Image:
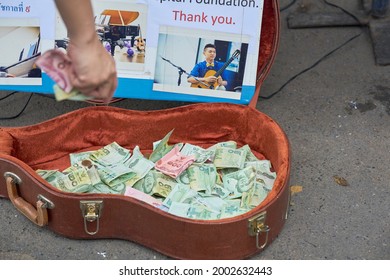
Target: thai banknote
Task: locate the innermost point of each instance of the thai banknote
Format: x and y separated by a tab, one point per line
250	156
76	181
139	165
213	203
264	176
73	95
202	177
253	197
103	188
174	163
155	183
77	157
131	192
239	182
179	209
183	178
232	208
229	158
88	167
111	154
227	144
179	193
200	212
162	148
220	191
49	175
201	155
163	186
115	174
58	66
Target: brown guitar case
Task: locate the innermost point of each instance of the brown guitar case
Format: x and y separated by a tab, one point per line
47	145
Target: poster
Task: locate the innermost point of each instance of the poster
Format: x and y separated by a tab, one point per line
155	43
25	32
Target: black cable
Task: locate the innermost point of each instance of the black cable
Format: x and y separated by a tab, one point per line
345	11
288	5
50	96
311	67
321	59
17	115
8	95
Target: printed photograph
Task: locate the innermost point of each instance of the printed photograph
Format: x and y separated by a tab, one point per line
121	27
22	45
202	65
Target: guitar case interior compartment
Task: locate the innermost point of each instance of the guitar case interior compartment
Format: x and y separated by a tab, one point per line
47	145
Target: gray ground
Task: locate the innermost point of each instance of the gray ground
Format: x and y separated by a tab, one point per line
337	118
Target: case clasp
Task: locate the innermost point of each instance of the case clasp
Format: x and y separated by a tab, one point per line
91	211
257	226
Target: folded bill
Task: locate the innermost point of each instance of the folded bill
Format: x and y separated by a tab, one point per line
58	66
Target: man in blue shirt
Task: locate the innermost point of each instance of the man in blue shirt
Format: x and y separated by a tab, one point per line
205	74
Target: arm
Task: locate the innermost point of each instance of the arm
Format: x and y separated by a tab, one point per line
221	79
94	71
221	82
197	76
194	74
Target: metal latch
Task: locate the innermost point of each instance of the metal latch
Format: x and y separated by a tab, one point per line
256	226
91	211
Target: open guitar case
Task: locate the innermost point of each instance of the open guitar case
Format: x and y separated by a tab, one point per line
96	216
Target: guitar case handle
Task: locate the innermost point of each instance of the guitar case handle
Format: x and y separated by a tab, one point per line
37	215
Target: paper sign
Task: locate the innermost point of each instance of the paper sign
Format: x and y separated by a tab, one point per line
157	44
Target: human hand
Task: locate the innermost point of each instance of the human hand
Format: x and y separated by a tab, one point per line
94	72
210	79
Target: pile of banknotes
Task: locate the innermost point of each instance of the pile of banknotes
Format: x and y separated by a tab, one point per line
186	180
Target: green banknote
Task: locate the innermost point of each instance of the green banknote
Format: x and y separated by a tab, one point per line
76	181
139	165
74	94
115	174
264	176
229	158
111	154
180	193
155	183
162	148
49	175
202	177
78	157
201	155
239	182
253	197
250	156
88	167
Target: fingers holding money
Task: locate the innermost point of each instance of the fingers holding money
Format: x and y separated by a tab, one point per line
104	92
93	77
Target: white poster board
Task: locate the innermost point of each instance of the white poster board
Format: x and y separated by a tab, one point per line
155	43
